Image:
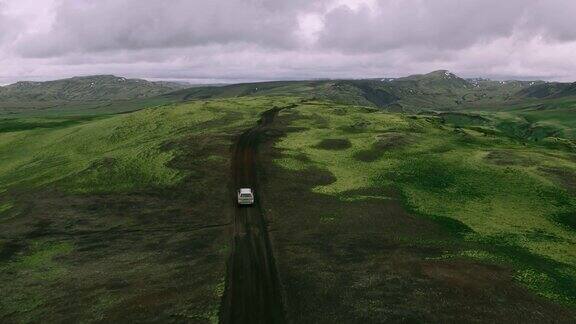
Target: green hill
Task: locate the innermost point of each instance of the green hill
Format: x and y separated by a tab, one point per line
81	89
570	90
98	87
436	91
543	90
549	90
440	80
116	200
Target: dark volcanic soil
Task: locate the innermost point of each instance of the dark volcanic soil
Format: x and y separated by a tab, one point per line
153	256
372	261
253	293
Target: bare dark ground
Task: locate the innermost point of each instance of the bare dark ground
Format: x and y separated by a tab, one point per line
159	255
149	256
371	261
253	292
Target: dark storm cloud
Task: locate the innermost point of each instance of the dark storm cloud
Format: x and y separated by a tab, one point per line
87	26
9	26
286	39
444	24
554	19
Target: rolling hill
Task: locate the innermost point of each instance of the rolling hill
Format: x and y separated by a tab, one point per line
549	90
86	91
436	91
116	201
98	87
441	80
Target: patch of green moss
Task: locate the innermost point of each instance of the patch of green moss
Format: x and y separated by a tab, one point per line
104	301
443	173
5	206
40	261
122	152
328	218
37	266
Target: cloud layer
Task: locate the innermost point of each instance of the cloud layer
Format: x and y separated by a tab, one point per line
241	40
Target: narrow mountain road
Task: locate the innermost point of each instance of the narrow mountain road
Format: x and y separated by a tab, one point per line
253	293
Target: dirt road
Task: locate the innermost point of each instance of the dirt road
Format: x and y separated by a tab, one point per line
253	293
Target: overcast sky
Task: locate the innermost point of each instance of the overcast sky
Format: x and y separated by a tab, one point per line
244	40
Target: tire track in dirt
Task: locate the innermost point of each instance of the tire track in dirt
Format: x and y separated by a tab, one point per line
253	293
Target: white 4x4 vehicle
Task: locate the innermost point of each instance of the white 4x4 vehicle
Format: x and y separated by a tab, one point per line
245	196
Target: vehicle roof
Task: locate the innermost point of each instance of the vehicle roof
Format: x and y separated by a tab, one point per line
245	190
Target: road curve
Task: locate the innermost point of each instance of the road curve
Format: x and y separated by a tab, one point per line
253	293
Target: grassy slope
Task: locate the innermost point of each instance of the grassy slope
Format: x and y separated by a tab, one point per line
102	215
36	151
93	95
500	192
481	186
80	108
438	90
82	89
553	115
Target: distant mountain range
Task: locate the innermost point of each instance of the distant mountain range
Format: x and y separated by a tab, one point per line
438	90
89	88
550	90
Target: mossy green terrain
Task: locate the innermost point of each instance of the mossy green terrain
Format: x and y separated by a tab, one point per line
120	211
117	153
505	192
118	217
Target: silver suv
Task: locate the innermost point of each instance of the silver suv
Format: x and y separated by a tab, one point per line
245	196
